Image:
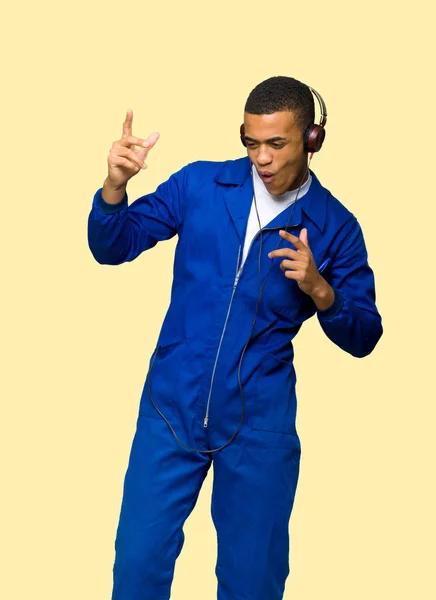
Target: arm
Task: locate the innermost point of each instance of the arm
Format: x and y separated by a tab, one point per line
352	321
118	233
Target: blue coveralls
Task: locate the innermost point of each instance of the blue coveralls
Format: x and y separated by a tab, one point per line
196	372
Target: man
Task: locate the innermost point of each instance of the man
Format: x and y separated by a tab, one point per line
221	385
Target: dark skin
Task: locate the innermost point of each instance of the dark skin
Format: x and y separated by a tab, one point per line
275	144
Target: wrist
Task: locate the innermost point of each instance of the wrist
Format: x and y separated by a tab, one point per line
113	194
114	187
323	295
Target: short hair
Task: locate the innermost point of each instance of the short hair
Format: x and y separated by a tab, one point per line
281	93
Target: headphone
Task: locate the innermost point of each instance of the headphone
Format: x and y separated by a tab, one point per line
314	135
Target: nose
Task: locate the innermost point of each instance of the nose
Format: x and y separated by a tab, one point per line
264	156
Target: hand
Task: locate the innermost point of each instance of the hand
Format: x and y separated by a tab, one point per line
299	264
124	161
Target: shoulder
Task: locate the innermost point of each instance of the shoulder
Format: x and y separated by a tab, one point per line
339	218
337	207
342	228
223	171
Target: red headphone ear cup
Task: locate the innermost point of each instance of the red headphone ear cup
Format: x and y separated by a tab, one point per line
314	138
242	133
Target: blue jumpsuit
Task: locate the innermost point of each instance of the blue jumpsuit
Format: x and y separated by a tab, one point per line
195	372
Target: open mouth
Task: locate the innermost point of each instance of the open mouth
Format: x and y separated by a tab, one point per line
267	178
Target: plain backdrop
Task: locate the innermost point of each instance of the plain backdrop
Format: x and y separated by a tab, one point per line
77	336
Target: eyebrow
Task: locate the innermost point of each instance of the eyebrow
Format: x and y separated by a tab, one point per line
277	138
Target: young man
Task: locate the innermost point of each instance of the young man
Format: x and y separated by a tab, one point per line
221	385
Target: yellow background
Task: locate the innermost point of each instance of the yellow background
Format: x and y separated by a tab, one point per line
77	336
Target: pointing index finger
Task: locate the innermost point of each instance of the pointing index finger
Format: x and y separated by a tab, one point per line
292	238
132	140
127	125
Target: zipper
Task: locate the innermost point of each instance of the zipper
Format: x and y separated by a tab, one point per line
237	277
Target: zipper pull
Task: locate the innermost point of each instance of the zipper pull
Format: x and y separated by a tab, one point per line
238	274
206	420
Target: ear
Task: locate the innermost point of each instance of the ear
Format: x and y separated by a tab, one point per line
242	133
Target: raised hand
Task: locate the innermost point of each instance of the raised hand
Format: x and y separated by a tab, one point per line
124	161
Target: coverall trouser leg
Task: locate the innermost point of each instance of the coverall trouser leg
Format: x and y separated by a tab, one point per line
161	487
254	485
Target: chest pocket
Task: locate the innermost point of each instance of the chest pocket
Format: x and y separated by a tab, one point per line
283	301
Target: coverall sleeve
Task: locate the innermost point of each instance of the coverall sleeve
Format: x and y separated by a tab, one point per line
118	232
352	322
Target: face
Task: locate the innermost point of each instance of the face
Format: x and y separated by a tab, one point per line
275	146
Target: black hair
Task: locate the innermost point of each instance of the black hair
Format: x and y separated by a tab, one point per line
281	93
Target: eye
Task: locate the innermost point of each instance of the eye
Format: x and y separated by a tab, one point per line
278	146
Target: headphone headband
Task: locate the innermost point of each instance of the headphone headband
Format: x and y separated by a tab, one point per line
322	105
314	135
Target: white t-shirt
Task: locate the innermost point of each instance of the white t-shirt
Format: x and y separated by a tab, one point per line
268	206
